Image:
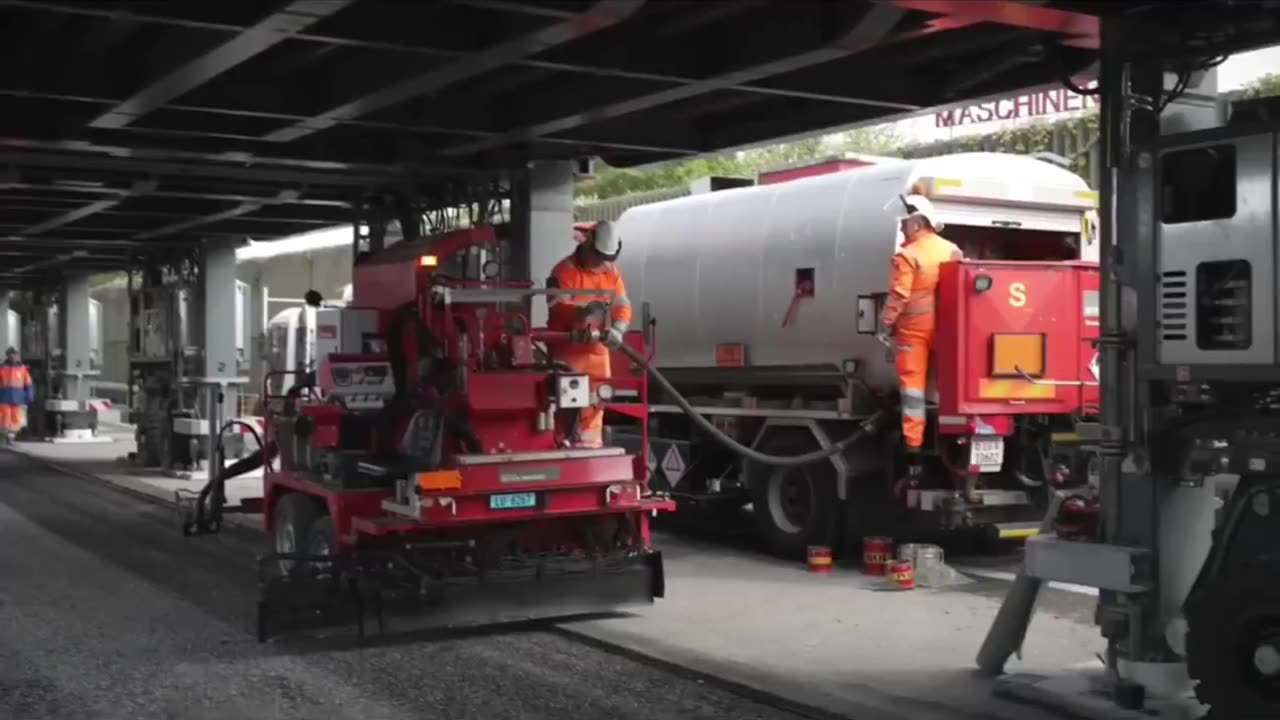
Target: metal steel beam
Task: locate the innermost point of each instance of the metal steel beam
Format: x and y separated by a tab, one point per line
212	195
386	126
62	243
285	196
873	27
1078	29
600	15
514	6
167	153
159	168
93	208
272	30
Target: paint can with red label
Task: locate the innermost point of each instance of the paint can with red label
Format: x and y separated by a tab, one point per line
820	559
876	553
902	575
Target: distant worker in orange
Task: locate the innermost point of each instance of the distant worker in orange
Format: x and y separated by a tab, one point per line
590	267
16	394
907	322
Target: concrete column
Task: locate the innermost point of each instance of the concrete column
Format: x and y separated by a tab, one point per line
10	324
550	223
256	318
75	332
218	272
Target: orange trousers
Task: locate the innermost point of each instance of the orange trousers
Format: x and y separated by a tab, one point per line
595	365
912	360
12	418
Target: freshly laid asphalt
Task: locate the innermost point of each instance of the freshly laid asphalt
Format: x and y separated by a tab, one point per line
107	612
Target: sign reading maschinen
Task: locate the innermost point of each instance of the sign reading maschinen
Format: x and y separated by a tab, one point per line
1059	101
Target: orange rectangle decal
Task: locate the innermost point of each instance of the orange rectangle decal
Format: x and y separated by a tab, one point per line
989	389
731	355
1013	354
440	480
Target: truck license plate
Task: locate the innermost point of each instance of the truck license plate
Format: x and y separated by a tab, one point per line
513	501
986	454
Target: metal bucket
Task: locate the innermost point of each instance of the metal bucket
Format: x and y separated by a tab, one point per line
922	557
876	553
901	575
819	559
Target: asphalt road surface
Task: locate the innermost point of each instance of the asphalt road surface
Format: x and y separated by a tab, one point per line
106	612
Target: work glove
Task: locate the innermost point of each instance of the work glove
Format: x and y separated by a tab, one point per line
612	338
595	309
890	347
885	339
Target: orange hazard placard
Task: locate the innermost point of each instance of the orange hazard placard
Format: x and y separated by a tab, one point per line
731	355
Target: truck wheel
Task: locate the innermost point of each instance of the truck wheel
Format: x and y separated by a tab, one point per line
794	507
295	514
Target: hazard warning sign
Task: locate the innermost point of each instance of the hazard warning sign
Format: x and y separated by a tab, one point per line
1095	368
673	465
651	460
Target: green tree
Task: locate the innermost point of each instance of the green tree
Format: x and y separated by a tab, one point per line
1266	86
614	182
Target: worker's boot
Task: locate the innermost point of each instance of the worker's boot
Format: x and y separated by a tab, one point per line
913	476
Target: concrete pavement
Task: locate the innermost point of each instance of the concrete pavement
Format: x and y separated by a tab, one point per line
106	613
735	617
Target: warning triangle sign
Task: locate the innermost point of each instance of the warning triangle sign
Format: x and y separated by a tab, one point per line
673	465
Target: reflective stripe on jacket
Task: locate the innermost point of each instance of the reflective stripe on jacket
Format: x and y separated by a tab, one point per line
914	282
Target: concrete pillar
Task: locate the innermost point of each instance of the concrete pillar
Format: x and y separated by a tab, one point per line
550	223
218	271
10	324
74	319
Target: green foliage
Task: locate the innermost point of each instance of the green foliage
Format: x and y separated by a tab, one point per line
1073	139
1266	86
615	182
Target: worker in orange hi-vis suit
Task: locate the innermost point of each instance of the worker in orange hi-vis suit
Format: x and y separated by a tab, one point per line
590	267
16	393
907	321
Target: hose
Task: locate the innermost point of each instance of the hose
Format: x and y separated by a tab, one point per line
866	426
218	477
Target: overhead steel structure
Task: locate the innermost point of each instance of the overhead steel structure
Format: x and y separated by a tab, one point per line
139	128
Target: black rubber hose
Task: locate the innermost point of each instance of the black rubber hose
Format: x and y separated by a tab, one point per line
866	426
218	477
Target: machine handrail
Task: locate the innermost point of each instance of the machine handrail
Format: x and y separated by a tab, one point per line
476	295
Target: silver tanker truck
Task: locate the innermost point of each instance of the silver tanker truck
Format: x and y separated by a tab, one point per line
765	300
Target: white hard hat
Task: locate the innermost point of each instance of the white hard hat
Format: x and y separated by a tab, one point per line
606	240
915	205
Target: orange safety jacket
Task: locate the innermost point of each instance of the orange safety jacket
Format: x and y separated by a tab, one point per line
563	312
910	306
15	384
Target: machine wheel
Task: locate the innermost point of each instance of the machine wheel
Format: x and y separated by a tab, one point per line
322	540
295	514
794	507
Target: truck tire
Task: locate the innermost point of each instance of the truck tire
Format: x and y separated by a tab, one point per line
795	507
295	513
